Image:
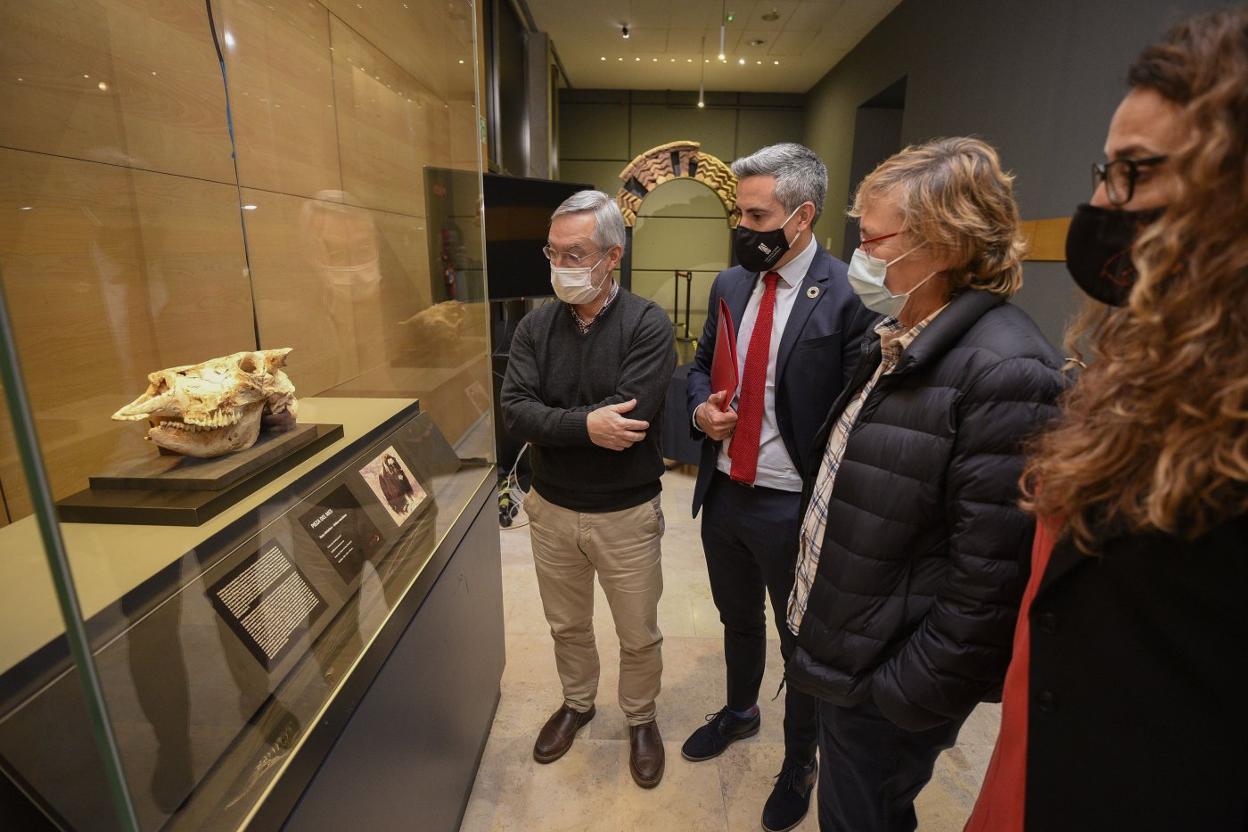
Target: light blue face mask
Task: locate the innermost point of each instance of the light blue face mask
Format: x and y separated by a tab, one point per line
866	276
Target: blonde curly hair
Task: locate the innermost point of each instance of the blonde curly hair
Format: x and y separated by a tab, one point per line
954	196
1154	435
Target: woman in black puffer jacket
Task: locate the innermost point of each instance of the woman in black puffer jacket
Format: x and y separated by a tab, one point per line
913	550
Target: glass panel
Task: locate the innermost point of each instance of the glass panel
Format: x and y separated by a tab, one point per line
186	182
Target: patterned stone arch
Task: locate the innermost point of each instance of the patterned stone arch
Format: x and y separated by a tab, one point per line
674	160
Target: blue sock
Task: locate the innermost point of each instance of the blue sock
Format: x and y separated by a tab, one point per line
748	713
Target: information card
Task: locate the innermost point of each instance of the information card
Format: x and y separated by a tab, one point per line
342	531
267	602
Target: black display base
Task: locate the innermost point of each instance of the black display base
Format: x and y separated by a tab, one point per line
181	507
183	473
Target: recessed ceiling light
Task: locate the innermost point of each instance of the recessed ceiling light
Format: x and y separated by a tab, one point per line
757	42
687	60
636	59
603	58
777	63
741	61
771	16
760	63
619	59
654	60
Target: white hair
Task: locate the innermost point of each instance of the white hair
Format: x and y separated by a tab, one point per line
608	221
800	174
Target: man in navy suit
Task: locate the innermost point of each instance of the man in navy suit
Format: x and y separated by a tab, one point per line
798	326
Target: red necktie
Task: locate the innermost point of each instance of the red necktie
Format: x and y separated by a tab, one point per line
743	450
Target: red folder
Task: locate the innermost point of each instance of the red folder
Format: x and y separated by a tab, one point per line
724	374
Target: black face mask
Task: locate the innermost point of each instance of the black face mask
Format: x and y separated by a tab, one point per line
758	251
1098	250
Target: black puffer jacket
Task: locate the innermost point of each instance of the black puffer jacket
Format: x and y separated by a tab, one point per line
926	553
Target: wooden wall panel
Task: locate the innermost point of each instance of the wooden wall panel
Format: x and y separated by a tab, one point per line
389	126
110	274
282	94
431	40
335	282
127	82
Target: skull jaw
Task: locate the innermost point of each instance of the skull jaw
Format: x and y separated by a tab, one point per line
209	443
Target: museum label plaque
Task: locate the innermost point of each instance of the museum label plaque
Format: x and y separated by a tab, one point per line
267	602
342	531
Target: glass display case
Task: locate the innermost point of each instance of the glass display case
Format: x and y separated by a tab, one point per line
253	339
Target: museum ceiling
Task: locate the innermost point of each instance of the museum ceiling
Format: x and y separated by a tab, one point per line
769	45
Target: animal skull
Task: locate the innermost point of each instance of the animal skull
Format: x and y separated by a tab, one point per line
217	407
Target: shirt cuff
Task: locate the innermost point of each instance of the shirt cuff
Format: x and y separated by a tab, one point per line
694	419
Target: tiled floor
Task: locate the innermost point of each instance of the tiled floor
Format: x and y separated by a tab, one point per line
590	789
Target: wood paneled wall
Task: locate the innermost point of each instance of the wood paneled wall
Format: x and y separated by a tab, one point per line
161	209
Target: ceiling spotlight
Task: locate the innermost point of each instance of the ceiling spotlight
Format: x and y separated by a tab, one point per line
624	31
603	58
757	42
771	16
723	15
741	61
777	63
654	60
702	79
636	59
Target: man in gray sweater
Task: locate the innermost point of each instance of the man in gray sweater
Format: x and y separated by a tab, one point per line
586	379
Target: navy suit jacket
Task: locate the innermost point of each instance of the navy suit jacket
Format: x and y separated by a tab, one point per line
816	358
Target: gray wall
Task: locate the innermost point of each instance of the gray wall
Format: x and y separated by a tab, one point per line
1039	80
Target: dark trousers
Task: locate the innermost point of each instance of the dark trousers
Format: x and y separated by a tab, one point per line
749	536
870	770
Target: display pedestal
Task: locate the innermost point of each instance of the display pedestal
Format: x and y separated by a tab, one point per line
176	491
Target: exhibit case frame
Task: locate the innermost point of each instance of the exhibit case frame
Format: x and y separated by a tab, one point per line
266	593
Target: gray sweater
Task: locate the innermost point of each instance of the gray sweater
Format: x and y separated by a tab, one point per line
556	376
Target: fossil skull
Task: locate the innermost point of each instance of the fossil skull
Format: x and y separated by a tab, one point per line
217	407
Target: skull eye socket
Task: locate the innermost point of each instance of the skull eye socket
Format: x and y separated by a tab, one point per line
248	364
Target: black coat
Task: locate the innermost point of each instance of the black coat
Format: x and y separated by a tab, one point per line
926	553
816	356
1138	689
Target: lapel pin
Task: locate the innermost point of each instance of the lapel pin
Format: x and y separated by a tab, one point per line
812	292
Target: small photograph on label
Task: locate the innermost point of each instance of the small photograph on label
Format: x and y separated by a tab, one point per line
392	481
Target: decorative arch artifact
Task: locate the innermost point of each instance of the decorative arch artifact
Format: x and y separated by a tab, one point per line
675	160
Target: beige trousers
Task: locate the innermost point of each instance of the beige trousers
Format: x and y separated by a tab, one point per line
623	547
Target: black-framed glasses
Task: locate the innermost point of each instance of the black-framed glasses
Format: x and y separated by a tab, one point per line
1121	175
560	258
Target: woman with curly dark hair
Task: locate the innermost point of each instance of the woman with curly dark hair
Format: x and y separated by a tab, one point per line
1124	702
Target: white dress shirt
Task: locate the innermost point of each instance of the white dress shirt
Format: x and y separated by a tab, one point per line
775	468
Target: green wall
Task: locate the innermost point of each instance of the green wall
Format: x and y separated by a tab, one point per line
682	224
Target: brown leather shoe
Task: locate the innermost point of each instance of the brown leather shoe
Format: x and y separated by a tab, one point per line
646	757
556	736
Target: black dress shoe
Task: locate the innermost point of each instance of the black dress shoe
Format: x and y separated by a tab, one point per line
557	734
790	797
720	731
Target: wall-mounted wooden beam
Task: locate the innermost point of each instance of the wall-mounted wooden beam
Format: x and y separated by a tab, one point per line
1046	239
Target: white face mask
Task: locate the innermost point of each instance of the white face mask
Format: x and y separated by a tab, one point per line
866	276
575	286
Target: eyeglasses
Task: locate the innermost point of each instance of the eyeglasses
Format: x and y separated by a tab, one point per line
563	258
873	240
1121	175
